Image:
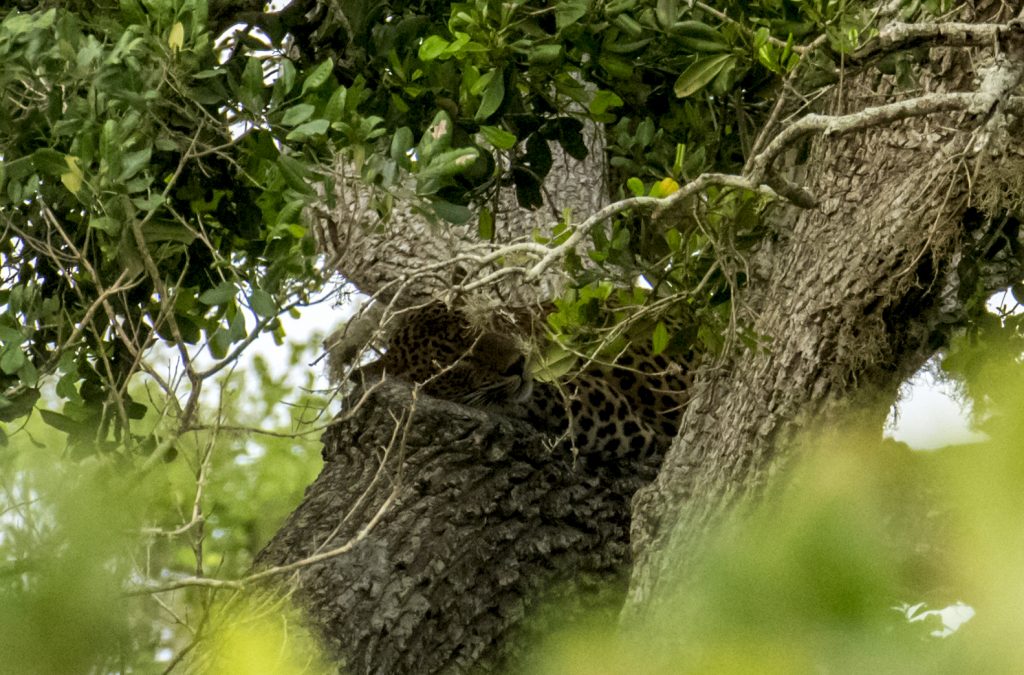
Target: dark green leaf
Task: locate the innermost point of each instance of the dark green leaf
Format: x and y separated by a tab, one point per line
453	213
697	76
493	95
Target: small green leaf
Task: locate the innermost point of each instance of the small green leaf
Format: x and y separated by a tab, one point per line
666	11
219	295
555	362
499	138
432	48
485	227
297	114
308	130
286	76
603	100
636	186
105	224
295	174
262	303
569	12
699	36
318	76
61	422
28	374
336	104
12	359
493	95
133	162
450	163
543	54
659	338
700	73
401	143
453	213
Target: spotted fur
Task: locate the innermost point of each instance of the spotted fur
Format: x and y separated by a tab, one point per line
626	409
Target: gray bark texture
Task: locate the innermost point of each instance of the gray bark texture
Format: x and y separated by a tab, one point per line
487	523
851	298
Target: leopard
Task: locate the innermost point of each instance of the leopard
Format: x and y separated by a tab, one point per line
626	407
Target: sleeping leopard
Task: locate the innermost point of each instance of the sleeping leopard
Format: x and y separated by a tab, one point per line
629	409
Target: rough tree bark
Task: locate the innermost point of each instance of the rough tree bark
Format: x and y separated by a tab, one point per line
475	520
851	296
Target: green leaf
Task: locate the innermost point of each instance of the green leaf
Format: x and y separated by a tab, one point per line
49	161
223	293
659	338
499	138
450	163
262	303
555	362
252	82
295	173
401	143
544	54
436	138
61	422
12	359
28	374
19	406
494	94
568	12
636	186
336	104
318	76
700	73
485	226
286	76
666	11
308	130
603	100
699	36
133	162
297	114
105	224
453	213
432	48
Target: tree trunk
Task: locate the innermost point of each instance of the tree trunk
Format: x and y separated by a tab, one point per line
849	300
474	523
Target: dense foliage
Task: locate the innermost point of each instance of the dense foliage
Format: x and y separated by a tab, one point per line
156	159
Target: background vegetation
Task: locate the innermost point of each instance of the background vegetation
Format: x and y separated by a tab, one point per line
154	168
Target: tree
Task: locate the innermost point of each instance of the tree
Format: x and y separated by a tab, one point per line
823	194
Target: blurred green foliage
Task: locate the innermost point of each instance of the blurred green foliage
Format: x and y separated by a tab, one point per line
81	540
825	573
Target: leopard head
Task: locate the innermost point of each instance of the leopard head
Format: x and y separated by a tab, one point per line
436	347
